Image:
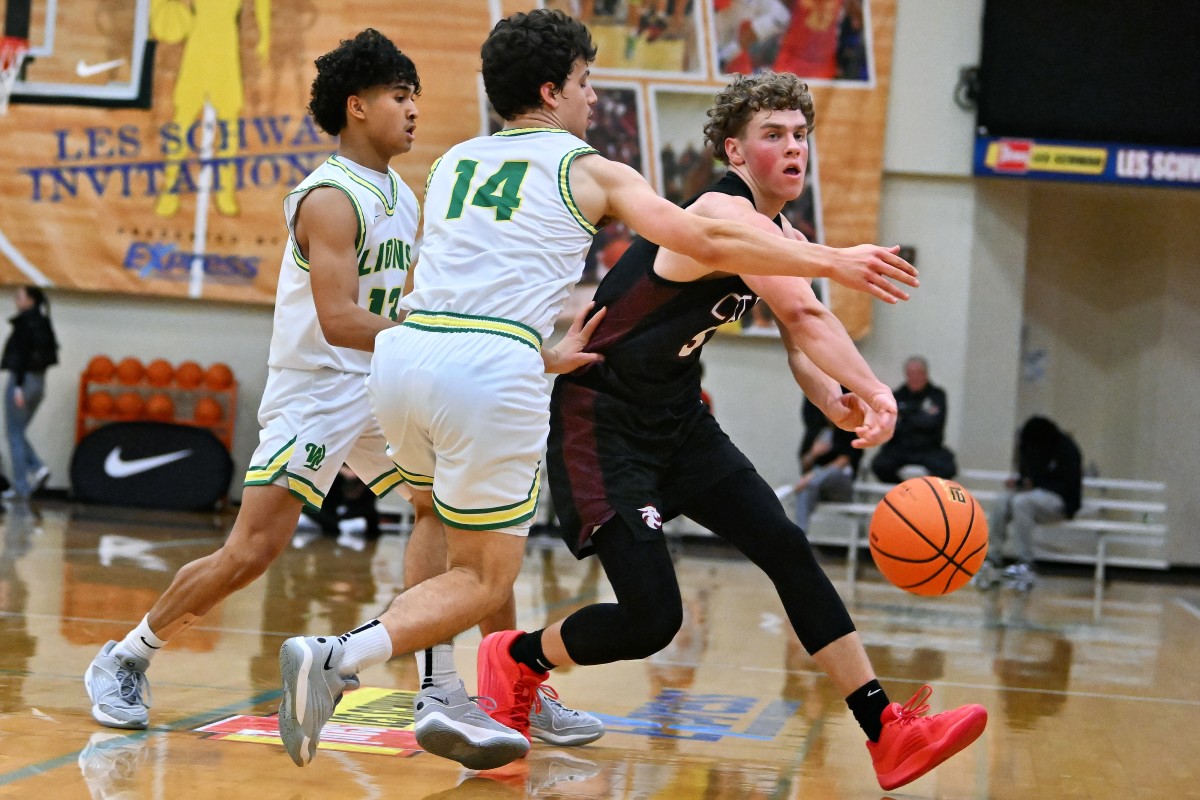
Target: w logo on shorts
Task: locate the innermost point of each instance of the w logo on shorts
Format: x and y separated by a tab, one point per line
316	454
651	517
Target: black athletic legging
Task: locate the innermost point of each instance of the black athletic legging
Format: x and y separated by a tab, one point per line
744	511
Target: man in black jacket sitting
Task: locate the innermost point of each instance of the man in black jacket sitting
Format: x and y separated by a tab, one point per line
920	426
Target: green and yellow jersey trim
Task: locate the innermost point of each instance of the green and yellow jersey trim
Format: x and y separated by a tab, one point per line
414	478
360	236
388	205
564	187
386	482
527	131
486	519
450	322
276	466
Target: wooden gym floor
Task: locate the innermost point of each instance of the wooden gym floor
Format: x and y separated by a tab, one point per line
1079	707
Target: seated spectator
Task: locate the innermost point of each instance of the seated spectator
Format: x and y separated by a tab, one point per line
1048	488
828	464
920	426
349	513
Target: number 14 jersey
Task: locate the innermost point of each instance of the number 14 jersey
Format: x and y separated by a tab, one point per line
503	236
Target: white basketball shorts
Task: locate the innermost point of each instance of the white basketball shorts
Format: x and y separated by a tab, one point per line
465	406
312	422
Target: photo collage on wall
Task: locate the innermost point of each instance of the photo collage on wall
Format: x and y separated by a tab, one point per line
660	65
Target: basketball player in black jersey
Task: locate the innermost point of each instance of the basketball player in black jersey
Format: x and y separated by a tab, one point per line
631	444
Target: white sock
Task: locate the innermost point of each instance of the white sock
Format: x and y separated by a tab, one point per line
365	646
436	667
141	641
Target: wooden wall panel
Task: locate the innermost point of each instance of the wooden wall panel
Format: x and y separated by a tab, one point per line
78	204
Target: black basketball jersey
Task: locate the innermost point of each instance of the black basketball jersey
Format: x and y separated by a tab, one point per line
654	329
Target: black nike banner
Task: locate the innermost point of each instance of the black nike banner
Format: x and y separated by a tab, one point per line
151	465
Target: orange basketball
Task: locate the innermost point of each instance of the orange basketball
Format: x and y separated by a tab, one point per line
188	375
159	372
129	370
100	403
101	369
208	411
219	376
160	406
929	536
130	404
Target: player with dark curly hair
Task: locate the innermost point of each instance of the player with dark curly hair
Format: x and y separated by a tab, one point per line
369	59
352	226
459	387
632	444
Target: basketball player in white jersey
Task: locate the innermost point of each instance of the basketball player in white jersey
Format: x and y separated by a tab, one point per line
459	387
352	225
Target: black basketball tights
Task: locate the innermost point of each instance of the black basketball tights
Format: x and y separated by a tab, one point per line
744	511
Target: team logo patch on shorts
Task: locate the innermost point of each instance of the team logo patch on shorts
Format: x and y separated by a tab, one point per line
651	517
315	455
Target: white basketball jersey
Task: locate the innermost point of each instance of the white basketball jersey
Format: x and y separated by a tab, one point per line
503	237
388	215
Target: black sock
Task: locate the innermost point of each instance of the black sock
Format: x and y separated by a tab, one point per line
527	649
867	704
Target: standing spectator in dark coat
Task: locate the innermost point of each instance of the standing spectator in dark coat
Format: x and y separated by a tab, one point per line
31	348
920	426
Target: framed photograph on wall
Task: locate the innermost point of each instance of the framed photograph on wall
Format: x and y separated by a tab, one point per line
822	41
653	38
685	166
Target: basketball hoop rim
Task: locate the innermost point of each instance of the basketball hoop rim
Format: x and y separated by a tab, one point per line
13	52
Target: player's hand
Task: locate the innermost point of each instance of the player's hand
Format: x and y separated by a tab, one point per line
872	269
568	355
879	420
874	420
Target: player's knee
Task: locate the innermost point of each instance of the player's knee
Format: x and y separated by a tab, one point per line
654	630
248	559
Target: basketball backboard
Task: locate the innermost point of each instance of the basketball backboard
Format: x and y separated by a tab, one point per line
96	52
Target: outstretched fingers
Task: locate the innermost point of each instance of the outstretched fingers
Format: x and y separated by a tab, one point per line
873	269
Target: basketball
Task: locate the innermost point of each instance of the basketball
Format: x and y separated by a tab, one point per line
929	536
100	403
171	21
101	369
188	375
129	371
160	406
208	411
219	376
130	404
159	372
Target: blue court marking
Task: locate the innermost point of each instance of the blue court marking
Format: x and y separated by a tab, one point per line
185	724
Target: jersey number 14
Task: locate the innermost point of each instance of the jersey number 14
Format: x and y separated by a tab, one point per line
502	191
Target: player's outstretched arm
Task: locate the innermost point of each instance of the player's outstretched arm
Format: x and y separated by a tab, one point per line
606	188
326	228
823	358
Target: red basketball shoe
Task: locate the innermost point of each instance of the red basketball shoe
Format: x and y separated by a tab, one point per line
911	744
510	684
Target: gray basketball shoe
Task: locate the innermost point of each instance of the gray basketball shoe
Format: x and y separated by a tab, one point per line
116	682
551	721
312	688
453	726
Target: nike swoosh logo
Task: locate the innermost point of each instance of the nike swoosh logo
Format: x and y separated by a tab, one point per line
86	70
117	467
874	691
